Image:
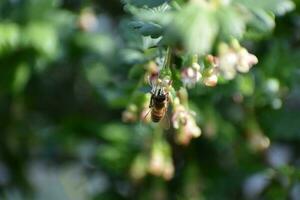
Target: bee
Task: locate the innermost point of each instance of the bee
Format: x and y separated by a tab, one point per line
159	103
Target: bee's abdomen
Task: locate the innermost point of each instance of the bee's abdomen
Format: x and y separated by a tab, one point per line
157	114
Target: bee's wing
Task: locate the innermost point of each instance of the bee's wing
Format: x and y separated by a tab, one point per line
165	121
144	118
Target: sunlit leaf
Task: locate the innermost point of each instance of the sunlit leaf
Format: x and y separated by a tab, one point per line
196	27
21	78
42	37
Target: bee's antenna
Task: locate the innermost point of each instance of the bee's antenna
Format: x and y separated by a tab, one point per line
159	91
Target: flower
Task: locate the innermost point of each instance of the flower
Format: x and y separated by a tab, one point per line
130	114
211	78
184	122
138	168
246	61
161	163
152	73
210	74
234	58
258	141
88	20
191	75
227	63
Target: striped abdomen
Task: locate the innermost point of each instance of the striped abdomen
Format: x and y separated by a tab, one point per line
157	114
159	107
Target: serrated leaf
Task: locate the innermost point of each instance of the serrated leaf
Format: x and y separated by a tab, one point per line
159	15
262	22
232	23
195	26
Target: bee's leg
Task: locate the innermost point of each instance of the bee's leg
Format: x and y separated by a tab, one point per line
151	102
167	97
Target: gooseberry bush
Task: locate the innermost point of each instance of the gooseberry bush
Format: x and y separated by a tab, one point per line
75	88
195	45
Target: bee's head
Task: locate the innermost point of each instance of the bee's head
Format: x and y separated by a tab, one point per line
160	95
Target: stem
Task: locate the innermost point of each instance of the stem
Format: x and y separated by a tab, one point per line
166	69
167	61
195	58
183	96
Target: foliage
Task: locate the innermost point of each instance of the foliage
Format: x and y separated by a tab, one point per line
74	91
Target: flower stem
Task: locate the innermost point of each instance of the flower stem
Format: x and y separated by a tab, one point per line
195	58
166	69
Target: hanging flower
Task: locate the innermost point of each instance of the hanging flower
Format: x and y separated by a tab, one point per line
183	121
138	168
152	73
211	78
233	58
88	20
210	74
191	75
227	62
246	60
130	114
160	160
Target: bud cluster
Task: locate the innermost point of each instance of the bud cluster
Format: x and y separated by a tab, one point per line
158	163
130	114
234	58
184	123
161	163
152	73
88	20
211	72
206	73
191	75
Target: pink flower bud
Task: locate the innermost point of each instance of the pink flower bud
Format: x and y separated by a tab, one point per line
211	80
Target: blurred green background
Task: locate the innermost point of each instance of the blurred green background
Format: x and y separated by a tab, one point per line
64	84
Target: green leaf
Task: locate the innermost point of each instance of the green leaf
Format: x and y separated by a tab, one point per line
246	84
42	37
115	133
262	23
278	7
9	36
232	22
146	3
97	74
195	26
21	78
176	81
136	71
160	15
98	43
147	29
132	56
